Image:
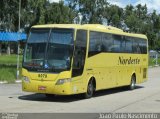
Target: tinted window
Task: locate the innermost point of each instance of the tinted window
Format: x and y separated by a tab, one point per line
117	43
123	44
139	46
128	44
62	36
35	48
79	53
104	42
38	36
95	43
143	46
49	50
135	46
60	49
107	42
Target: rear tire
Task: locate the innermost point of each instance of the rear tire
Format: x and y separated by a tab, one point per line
133	83
90	90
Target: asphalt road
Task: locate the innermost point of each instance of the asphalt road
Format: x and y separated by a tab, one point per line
145	98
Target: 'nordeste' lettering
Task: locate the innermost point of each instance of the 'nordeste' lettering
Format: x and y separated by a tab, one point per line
125	61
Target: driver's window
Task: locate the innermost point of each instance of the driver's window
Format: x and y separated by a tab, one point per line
79	53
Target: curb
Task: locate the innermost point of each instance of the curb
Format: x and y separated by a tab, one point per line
18	81
153	66
6	82
3	82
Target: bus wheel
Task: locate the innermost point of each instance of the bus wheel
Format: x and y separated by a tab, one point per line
50	95
90	90
133	83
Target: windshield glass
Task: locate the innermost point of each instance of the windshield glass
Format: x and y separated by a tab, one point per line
35	48
49	50
60	48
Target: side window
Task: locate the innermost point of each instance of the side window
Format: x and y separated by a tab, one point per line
95	43
79	53
136	46
117	43
143	46
107	42
123	44
128	43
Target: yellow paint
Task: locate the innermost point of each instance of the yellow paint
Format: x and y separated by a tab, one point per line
106	68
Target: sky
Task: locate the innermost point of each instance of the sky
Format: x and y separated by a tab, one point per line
151	4
54	1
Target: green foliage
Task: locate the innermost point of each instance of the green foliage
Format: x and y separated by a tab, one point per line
152	61
7	74
8	67
9	59
6	14
58	13
32	13
137	18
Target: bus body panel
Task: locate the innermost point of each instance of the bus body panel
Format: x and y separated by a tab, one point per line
108	69
109	73
49	83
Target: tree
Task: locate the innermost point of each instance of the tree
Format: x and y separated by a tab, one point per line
137	18
115	15
91	10
9	19
59	13
131	22
128	10
33	12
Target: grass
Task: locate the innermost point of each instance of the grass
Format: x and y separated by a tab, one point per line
8	67
152	61
9	59
8	74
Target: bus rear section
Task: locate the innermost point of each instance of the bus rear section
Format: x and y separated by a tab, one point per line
117	58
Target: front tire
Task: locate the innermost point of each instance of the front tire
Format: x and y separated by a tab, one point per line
90	90
133	83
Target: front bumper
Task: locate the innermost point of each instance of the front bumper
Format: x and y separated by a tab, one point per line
47	87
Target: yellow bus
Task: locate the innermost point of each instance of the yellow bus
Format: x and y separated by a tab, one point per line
66	59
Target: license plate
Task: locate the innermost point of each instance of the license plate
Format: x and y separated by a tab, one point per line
42	88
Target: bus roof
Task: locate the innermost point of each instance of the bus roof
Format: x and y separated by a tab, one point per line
92	27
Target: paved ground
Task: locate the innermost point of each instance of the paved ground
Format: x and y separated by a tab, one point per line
146	98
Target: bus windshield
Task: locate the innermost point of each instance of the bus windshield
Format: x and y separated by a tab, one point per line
49	50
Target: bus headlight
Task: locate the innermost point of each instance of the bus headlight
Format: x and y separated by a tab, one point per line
26	79
62	81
